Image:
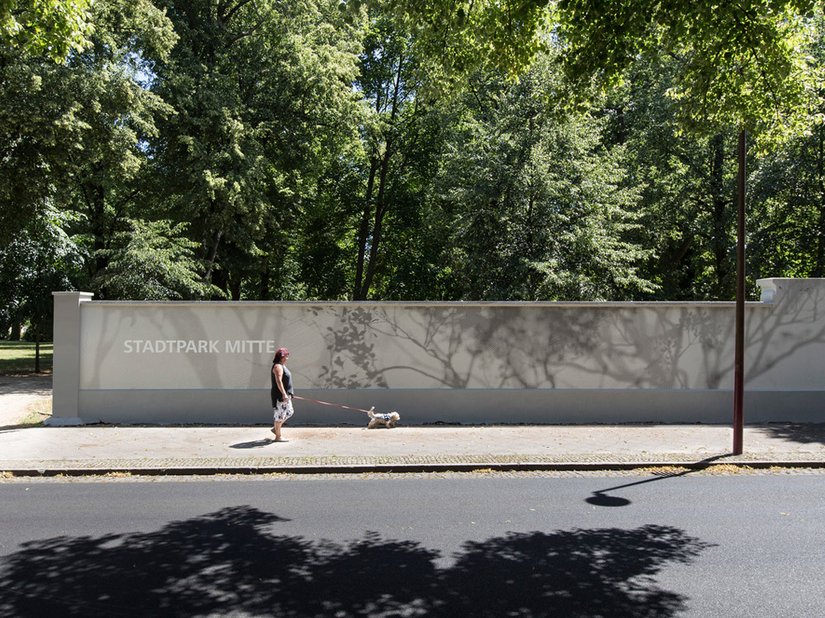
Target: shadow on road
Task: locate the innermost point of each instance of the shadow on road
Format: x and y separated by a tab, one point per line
234	561
601	497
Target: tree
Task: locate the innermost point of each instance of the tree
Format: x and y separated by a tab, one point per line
39	260
543	208
686	203
77	130
401	134
263	99
50	28
740	64
788	194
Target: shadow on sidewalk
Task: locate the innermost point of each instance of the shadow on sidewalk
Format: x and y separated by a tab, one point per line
234	561
804	433
34	384
252	444
5	428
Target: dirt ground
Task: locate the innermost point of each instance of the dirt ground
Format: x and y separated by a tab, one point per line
19	393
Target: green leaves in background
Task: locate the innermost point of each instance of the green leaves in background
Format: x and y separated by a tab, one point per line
404	149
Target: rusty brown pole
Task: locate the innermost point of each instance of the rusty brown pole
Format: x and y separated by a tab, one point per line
739	354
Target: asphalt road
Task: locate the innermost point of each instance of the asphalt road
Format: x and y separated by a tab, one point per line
689	545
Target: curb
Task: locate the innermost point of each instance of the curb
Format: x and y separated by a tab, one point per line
410	468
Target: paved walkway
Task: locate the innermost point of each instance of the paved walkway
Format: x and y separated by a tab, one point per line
199	450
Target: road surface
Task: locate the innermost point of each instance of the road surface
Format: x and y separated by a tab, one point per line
457	545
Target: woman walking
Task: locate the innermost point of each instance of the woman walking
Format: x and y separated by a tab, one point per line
281	392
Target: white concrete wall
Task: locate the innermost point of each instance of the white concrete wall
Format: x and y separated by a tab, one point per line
450	362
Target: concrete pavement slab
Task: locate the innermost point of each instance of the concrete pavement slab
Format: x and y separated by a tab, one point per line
211	449
52	450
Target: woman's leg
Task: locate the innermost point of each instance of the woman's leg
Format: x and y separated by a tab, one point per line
282	414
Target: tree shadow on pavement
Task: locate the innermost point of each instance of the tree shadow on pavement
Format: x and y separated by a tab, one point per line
34	384
232	561
804	433
601	497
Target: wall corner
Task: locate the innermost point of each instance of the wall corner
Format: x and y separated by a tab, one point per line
66	359
768	287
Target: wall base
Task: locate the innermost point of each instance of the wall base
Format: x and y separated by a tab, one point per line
476	406
57	421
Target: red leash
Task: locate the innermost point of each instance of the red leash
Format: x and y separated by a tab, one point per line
334	405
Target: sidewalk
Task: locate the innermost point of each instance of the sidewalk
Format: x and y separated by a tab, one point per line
99	449
212	450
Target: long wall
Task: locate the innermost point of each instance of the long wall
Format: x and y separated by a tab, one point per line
209	362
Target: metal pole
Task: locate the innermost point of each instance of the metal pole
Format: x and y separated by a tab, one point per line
739	360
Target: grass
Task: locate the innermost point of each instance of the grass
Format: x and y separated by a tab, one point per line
36	413
17	357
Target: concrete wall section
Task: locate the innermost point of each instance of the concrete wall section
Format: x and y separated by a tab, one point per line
450	362
370	345
430	406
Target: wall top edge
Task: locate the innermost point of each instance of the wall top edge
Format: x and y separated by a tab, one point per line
800	279
73	293
274	303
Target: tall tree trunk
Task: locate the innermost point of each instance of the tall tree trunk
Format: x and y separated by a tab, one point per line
378	223
819	253
720	206
99	232
358	292
212	255
365	273
235	288
263	284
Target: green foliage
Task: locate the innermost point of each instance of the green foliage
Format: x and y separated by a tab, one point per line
475	33
788	193
263	98
76	130
49	28
151	260
404	149
39	260
401	134
686	186
543	209
740	64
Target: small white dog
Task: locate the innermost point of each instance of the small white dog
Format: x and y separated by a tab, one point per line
388	419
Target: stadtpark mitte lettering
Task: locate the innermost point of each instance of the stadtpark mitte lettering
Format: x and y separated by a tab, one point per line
199	346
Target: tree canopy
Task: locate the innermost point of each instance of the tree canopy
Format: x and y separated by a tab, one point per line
403	149
53	28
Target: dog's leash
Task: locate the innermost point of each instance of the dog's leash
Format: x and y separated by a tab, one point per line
329	403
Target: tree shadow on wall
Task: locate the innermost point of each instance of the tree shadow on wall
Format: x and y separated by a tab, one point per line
233	561
684	346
